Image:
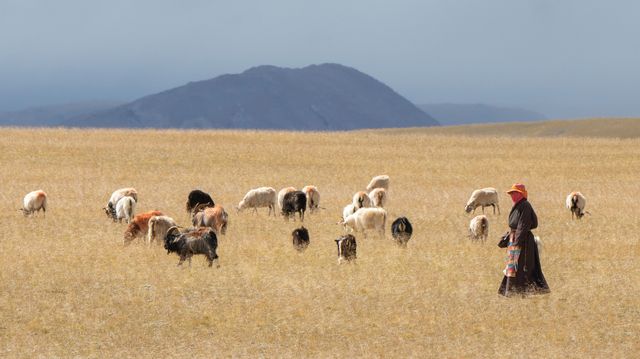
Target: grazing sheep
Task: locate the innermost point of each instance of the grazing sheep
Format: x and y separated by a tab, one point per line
158	227
294	202
575	203
313	197
300	238
33	202
378	197
124	209
366	218
110	209
346	248
361	200
281	195
401	231
484	197
193	241
381	181
197	197
259	197
213	217
348	210
479	228
138	226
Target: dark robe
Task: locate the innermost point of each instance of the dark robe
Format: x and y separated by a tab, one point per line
529	278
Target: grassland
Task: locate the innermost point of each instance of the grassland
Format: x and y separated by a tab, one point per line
69	289
594	127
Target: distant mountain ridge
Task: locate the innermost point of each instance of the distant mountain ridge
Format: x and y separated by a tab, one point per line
54	115
316	97
463	114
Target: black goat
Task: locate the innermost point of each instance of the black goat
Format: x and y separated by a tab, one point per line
193	241
198	197
401	231
294	202
300	237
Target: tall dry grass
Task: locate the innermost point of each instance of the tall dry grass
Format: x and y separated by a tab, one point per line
69	289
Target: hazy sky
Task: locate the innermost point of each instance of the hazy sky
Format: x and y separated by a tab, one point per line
565	58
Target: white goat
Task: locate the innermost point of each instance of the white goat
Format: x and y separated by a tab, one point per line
381	181
484	197
348	210
366	218
575	203
158	228
33	202
378	197
125	209
259	197
479	228
361	200
313	197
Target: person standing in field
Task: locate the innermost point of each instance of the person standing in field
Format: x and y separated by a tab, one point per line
523	274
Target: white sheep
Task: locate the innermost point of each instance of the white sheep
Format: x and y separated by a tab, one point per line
378	197
484	197
381	181
361	200
259	197
575	203
313	197
33	202
479	228
366	218
125	209
348	210
281	195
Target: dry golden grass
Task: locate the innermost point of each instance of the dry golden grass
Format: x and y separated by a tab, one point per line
69	289
595	127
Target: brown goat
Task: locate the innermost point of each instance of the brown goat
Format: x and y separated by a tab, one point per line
139	226
213	217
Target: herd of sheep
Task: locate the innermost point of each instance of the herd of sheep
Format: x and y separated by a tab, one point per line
365	213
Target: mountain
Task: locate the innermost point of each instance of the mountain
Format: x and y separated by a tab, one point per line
53	115
316	97
462	114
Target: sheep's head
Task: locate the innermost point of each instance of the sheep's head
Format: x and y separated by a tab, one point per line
468	208
170	239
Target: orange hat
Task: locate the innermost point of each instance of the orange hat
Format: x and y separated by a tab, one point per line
518	187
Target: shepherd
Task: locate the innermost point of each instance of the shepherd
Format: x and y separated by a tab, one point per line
522	273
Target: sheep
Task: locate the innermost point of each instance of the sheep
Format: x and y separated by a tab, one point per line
300	238
575	203
348	210
313	197
110	209
294	202
479	228
381	181
401	231
138	226
158	227
259	197
378	197
366	218
33	202
347	248
125	209
213	217
361	200
192	241
484	197
282	193
198	197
